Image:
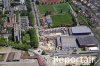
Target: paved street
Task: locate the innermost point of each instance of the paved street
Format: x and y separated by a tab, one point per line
37	21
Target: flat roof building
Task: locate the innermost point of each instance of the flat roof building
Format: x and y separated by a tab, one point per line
10	20
20	8
27	62
17	56
0	5
89	41
81	30
65	42
10	57
48	20
20	1
6	4
24	23
16	32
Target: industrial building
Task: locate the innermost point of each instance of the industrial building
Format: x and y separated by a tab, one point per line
65	42
80	30
88	41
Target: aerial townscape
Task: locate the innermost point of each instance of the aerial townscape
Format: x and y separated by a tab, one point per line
49	32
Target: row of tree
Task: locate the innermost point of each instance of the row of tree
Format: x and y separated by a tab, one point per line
32	31
33	38
4	42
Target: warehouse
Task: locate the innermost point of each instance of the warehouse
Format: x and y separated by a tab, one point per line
80	30
89	41
65	43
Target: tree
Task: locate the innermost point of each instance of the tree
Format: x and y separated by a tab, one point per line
33	38
24	13
3	42
28	4
31	19
37	2
61	11
14	4
43	52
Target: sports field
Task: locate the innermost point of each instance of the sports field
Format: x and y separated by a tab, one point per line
58	18
55	9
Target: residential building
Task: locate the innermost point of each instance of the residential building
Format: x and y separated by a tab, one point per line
1	5
11	19
16	32
4	34
20	8
6	4
24	23
20	1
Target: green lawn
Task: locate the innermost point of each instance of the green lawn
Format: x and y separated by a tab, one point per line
44	8
56	8
59	20
63	6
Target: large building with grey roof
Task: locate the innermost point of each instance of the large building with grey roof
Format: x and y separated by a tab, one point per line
65	42
88	41
80	30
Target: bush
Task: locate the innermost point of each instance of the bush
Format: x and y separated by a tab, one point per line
43	52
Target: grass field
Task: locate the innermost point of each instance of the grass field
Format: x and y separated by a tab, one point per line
63	6
56	8
44	8
58	18
61	20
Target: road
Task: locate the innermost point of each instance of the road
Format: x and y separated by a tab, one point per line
36	19
97	35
